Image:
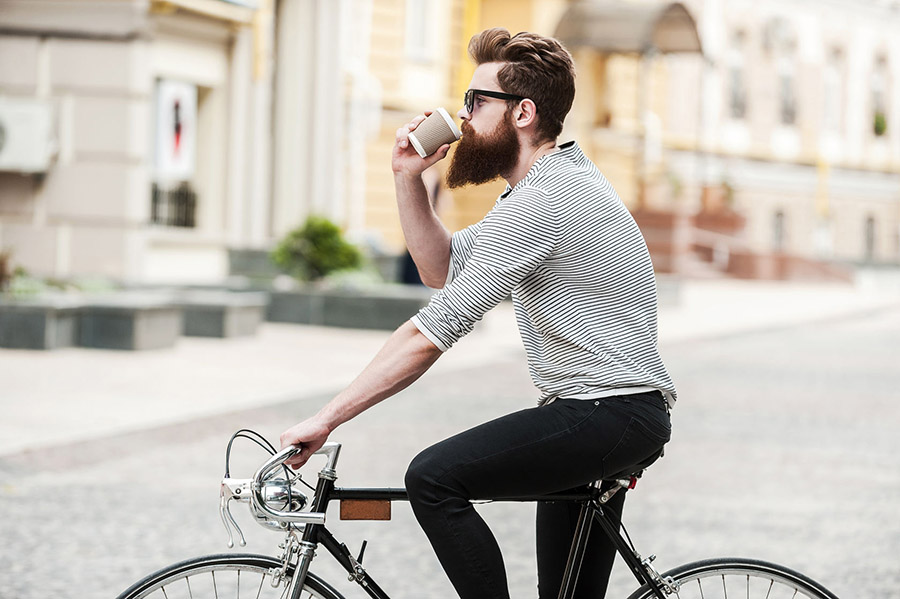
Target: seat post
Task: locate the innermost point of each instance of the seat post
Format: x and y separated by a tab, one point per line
576	553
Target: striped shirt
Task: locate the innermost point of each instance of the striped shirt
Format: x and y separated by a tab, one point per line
566	247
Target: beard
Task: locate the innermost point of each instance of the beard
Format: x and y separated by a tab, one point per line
482	158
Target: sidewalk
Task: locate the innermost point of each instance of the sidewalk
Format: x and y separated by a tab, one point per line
73	394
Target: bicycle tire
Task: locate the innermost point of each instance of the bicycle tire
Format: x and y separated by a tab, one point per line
191	577
738	577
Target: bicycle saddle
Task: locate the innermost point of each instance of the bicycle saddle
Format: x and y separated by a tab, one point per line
634	471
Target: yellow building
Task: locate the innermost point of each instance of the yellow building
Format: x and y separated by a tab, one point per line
424	63
740	133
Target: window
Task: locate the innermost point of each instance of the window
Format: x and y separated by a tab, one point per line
780	42
738	94
787	99
778	231
870	238
173	200
737	91
879	91
833	91
421	31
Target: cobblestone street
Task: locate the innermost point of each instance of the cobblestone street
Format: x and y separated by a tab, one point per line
784	449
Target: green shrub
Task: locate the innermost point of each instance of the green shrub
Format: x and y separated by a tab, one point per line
316	249
6	274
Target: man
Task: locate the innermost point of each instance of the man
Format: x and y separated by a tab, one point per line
560	240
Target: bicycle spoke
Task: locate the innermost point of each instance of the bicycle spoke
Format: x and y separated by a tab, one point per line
262	581
231	577
732	578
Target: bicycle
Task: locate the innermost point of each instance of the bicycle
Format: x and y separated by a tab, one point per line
277	500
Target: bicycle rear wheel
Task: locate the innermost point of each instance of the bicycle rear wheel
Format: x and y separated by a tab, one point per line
223	575
732	578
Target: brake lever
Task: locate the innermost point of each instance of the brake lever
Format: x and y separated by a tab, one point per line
232	489
228	519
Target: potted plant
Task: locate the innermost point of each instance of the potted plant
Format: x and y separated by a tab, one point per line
330	270
316	249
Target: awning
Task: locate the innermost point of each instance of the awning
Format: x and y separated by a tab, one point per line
629	28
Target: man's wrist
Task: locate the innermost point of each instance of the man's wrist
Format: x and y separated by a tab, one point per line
408	176
326	420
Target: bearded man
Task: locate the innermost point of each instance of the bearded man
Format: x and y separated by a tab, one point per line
561	241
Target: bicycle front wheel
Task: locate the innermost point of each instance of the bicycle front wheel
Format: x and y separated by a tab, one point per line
725	578
223	575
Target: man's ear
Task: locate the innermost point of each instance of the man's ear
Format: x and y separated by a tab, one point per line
526	113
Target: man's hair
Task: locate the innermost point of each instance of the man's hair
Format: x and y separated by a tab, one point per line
536	67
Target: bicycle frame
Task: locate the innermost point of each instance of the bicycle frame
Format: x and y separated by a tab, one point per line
315	532
278	501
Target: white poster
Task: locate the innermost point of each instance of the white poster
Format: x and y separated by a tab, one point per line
176	130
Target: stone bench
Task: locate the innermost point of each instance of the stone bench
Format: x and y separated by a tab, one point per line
45	322
383	307
212	313
130	321
124	320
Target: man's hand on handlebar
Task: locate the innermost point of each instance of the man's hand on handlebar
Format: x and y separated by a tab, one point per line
310	435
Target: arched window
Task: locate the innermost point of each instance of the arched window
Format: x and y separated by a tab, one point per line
780	41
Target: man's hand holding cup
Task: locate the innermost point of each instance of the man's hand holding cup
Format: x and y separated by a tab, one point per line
423	142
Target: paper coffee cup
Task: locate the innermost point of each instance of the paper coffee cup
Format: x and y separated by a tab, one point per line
436	130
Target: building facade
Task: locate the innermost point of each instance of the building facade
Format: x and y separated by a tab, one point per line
798	127
749	138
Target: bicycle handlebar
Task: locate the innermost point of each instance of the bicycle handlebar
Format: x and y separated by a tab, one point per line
258	500
260	493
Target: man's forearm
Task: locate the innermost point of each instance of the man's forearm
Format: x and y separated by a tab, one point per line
402	360
427	239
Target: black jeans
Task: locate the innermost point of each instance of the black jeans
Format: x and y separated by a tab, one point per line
560	446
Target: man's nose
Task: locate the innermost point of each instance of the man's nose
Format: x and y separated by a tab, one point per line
463	114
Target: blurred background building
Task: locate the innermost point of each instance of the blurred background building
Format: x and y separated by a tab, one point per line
155	140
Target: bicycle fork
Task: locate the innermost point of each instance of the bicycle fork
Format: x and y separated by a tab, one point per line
306	552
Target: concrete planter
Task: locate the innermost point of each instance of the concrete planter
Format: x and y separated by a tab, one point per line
130	321
116	321
39	323
222	313
381	307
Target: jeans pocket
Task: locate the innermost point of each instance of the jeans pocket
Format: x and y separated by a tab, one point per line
640	441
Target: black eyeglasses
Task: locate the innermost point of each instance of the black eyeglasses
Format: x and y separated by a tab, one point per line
469	99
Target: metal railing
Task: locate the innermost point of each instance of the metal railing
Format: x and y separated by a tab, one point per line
174	206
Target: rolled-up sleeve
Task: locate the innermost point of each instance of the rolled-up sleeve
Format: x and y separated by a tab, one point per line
513	240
